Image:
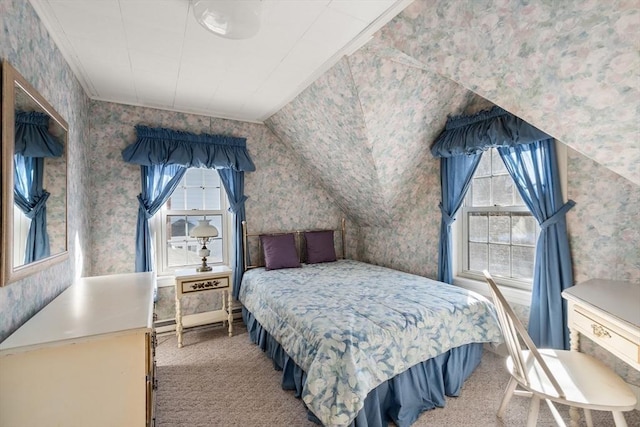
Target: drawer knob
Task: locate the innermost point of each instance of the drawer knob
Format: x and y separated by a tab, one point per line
600	331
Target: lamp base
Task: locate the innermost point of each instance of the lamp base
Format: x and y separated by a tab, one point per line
203	268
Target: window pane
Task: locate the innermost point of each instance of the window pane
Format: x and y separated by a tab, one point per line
499	228
212	199
176	227
194	198
502	187
477	227
192	254
484	167
215	246
497	164
211	178
176	201
524	229
193	177
477	256
481	195
518	199
499	260
176	250
523	258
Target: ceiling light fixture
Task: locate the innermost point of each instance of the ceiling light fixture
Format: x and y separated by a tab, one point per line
231	19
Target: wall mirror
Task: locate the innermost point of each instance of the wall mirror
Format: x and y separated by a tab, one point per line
34	180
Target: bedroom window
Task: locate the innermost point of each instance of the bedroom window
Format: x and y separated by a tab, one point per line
498	231
199	195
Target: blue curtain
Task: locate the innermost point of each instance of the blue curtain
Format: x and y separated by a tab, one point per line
534	168
33	143
156	147
233	182
33	138
158	182
31	198
455	176
475	133
530	157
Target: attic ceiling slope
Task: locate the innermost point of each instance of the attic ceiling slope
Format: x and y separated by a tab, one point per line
325	127
404	109
569	68
364	129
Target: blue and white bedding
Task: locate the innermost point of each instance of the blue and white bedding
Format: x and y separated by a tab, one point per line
351	326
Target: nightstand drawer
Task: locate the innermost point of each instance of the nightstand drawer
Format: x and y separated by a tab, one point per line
607	335
204	285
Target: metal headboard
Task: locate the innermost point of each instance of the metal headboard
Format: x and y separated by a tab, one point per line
298	234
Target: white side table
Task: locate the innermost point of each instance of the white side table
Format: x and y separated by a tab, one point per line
189	281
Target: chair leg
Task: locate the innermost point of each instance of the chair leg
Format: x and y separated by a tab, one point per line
556	415
534	407
508	394
618	418
587	417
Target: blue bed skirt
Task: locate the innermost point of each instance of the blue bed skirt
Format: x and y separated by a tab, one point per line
402	398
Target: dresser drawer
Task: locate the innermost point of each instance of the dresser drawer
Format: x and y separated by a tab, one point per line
204	285
606	335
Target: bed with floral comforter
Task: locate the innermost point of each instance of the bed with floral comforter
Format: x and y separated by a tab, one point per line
351	326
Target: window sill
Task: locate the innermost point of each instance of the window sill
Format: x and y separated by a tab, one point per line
512	295
166	281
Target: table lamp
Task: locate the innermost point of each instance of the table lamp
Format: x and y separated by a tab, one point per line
203	232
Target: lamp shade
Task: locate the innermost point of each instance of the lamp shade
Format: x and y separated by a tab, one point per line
232	19
203	229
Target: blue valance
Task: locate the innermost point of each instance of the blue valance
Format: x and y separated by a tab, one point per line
33	138
158	146
478	132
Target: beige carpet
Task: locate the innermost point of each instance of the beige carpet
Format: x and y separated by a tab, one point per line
217	381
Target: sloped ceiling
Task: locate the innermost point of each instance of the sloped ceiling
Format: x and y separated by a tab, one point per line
365	126
570	68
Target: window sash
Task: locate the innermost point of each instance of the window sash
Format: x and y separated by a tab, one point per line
161	235
491	172
465	271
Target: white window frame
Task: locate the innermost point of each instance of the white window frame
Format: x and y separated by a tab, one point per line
464	252
515	295
159	233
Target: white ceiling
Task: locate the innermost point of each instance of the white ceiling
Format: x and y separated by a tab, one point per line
153	52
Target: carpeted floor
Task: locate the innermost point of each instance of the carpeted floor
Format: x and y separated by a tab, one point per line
217	381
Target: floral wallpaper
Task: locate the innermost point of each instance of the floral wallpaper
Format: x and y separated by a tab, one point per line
282	195
401	105
355	143
569	68
25	43
603	226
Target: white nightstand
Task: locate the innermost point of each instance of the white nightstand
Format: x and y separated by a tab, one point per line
189	281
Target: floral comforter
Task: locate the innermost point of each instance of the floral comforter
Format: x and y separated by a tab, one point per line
351	326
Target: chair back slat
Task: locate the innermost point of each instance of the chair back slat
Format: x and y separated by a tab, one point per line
514	333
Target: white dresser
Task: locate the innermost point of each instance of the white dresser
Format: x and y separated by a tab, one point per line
85	359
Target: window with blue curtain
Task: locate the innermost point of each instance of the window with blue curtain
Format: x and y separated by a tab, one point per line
163	156
529	155
33	143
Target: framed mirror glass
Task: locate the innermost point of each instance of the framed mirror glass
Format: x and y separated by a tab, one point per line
34	180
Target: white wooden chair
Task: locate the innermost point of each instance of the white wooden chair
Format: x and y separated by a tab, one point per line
566	377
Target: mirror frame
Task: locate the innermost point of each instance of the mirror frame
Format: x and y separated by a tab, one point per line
11	80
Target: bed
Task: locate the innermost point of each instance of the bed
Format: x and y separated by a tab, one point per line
361	344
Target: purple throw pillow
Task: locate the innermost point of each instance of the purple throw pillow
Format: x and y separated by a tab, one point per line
320	246
279	251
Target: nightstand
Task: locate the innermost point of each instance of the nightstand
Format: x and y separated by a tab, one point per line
189	282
